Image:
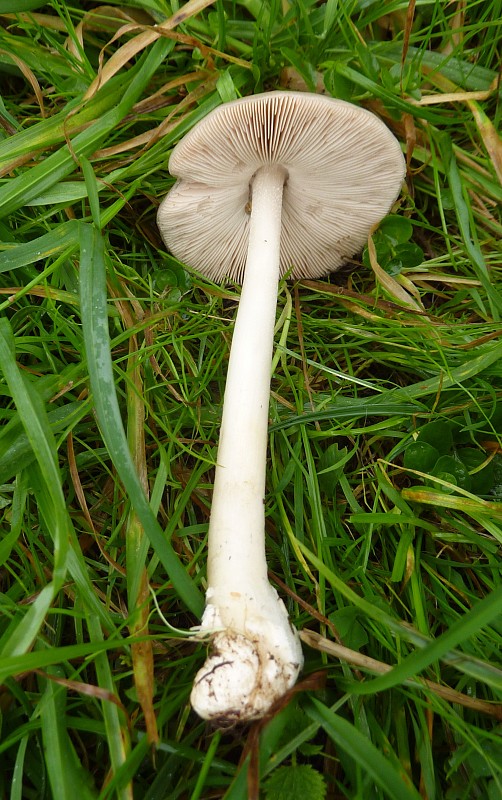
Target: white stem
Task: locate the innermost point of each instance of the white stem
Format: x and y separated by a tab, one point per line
236	532
257	656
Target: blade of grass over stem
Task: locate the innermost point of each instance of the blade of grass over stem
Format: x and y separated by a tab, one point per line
206	765
125	774
97	346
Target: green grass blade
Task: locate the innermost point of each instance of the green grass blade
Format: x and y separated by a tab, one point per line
55	129
97	346
115	722
372	762
16	786
27	662
16	6
64	237
34	420
33	417
390	402
464	217
67	776
26	631
47	485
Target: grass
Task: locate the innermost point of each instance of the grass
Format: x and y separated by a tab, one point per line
384	495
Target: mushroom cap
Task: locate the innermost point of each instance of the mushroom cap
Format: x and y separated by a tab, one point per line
344	170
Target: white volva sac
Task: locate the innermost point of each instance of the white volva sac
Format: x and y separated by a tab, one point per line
277	182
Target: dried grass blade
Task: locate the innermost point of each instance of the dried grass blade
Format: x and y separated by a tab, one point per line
124	54
391	286
318	642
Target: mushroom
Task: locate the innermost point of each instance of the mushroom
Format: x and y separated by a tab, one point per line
274	184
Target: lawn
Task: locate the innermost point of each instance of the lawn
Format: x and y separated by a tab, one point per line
384	475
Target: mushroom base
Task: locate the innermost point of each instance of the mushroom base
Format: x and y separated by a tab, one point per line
247	670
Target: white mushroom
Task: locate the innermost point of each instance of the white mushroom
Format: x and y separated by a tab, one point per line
266	184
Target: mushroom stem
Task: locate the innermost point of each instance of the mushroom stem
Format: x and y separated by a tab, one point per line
236	532
256	655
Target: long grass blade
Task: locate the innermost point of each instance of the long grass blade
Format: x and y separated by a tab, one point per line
67	776
396	785
97	345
